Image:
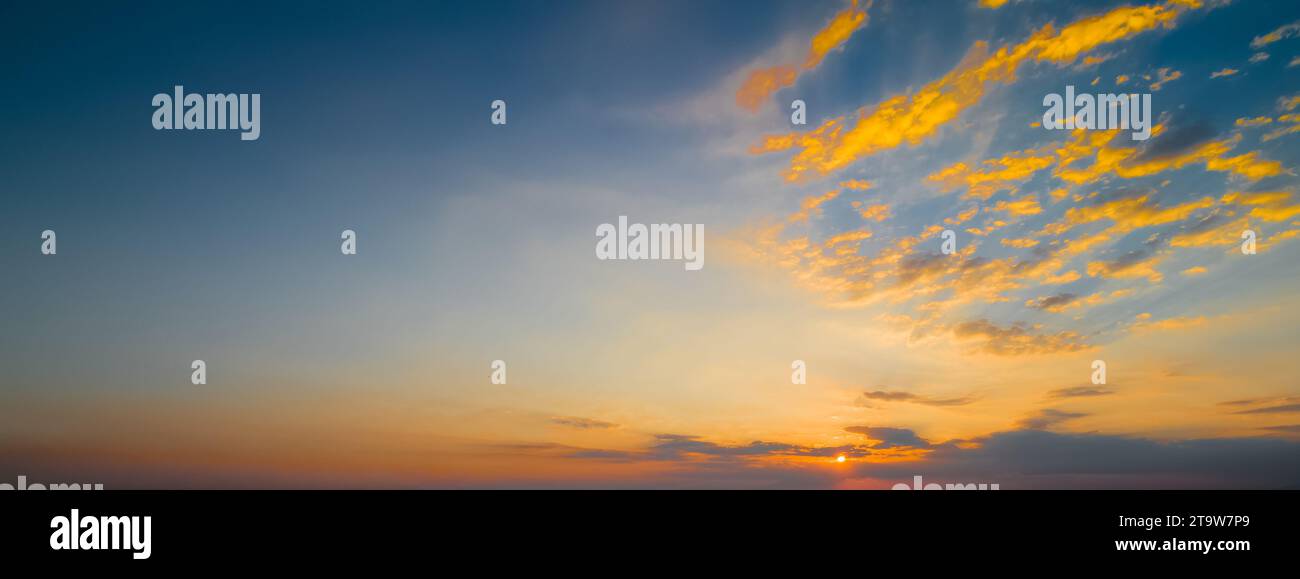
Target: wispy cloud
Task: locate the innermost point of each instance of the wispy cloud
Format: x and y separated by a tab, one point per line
1278	409
762	82
1280	33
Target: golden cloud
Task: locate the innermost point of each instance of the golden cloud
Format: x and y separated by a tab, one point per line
1004	173
1270	206
1025	243
1069	159
913	118
1027	205
1253	122
836	33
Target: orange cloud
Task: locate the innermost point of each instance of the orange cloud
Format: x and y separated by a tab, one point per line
1285	31
848	237
1165	75
856	184
811	204
962	217
761	83
875	212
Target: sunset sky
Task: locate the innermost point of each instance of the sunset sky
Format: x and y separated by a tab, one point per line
475	243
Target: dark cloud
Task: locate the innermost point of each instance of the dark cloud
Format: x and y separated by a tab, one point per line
715	474
921	266
1209	222
1125	262
670	446
1047	418
1080	391
1245	402
1017	339
1041	459
1285	429
889	396
1274	402
1284	408
1118	192
975	263
896	396
1013	459
583	423
888	437
1274	183
673	447
607	455
1050	303
1176	139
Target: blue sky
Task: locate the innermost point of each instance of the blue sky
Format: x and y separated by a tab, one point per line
475	244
